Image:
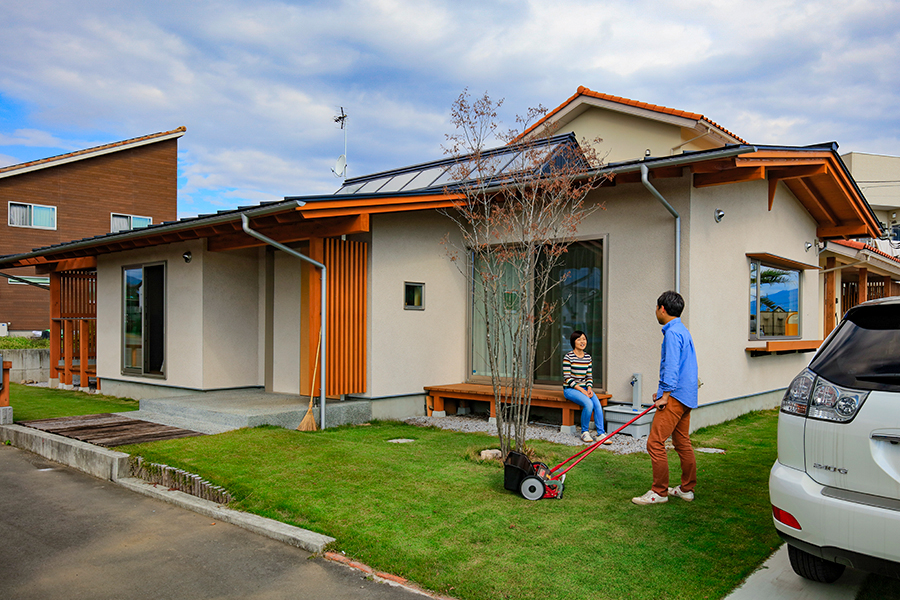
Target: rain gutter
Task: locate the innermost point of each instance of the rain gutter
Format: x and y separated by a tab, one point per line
245	222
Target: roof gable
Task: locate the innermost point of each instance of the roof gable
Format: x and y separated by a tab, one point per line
629	128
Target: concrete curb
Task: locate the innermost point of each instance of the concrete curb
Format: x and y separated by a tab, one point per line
90	459
113	466
294	536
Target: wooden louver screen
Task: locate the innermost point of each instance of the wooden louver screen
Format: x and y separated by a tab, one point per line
78	294
345	330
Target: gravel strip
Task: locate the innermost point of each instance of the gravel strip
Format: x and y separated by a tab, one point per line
621	444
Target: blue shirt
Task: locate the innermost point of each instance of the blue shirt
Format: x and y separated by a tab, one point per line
678	364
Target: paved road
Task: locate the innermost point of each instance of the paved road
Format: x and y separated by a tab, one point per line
64	534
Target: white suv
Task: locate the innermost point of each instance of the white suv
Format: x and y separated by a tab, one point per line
835	488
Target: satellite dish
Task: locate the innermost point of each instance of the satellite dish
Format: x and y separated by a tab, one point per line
340	166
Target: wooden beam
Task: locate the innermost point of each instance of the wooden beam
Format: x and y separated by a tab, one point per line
738	175
797	172
843	231
713	166
70	264
806	194
292	232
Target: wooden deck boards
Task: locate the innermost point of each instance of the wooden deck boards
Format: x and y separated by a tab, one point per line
109	430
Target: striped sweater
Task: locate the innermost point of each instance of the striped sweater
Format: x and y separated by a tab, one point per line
577	371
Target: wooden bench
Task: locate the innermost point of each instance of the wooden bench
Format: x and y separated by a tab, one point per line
465	392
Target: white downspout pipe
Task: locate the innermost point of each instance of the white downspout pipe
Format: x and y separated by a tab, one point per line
246	225
645	172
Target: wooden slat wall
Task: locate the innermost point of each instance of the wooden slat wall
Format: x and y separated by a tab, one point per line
73	325
346	316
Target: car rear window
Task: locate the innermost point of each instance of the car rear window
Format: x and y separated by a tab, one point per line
864	352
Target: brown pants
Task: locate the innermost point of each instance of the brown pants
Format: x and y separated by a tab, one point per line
674	420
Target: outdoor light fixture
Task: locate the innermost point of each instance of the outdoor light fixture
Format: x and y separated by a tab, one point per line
719	215
187	256
808	246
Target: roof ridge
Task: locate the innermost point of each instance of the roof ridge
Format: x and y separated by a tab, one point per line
91	150
584	91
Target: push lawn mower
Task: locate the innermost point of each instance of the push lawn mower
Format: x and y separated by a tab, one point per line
535	480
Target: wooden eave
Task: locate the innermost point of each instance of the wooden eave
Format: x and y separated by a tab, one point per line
815	178
315	219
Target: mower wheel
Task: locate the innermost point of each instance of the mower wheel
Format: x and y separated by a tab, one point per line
532	488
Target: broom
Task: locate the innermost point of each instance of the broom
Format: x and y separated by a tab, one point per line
309	421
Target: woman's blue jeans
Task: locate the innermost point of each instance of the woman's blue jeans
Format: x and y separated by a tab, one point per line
587	405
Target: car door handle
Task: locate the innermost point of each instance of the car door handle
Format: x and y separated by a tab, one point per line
886	437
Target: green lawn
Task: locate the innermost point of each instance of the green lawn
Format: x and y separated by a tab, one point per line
430	511
30	403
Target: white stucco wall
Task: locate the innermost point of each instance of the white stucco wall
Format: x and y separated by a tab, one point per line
230	311
640	247
184	327
720	283
211	316
286	334
409	349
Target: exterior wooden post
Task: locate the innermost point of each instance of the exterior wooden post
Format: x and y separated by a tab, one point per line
68	344
55	328
863	285
83	345
317	253
887	286
830	263
4	393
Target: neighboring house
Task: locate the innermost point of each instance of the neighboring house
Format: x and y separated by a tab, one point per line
115	187
201	305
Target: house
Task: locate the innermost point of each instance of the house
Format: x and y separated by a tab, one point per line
232	300
114	187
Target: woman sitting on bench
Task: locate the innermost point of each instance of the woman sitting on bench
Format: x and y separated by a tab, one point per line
579	386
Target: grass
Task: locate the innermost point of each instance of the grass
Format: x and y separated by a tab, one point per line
432	512
30	403
19	343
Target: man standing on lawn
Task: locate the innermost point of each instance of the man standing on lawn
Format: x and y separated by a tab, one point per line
674	399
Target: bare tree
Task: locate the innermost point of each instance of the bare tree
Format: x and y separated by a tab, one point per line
519	210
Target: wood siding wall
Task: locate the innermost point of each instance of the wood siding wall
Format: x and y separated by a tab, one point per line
347	283
139	181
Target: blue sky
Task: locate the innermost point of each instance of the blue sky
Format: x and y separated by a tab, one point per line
257	83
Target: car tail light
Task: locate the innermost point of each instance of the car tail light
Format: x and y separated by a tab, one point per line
816	398
783	516
833	403
796	398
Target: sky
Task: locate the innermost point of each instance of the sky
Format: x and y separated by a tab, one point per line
257	83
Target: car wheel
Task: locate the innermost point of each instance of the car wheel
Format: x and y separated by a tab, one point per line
812	567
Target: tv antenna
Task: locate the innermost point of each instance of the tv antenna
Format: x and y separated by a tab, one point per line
340	166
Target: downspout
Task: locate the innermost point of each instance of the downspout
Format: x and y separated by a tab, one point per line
246	225
645	173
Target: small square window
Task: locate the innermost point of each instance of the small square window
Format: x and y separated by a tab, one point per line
413	296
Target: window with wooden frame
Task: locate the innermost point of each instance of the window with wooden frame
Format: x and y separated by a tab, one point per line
774	301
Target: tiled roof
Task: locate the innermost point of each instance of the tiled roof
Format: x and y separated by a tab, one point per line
583	91
89	152
861	246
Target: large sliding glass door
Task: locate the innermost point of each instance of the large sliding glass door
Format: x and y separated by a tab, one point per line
578	305
143	342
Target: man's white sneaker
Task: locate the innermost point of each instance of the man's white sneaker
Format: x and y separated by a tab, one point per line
650	497
586	437
676	491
